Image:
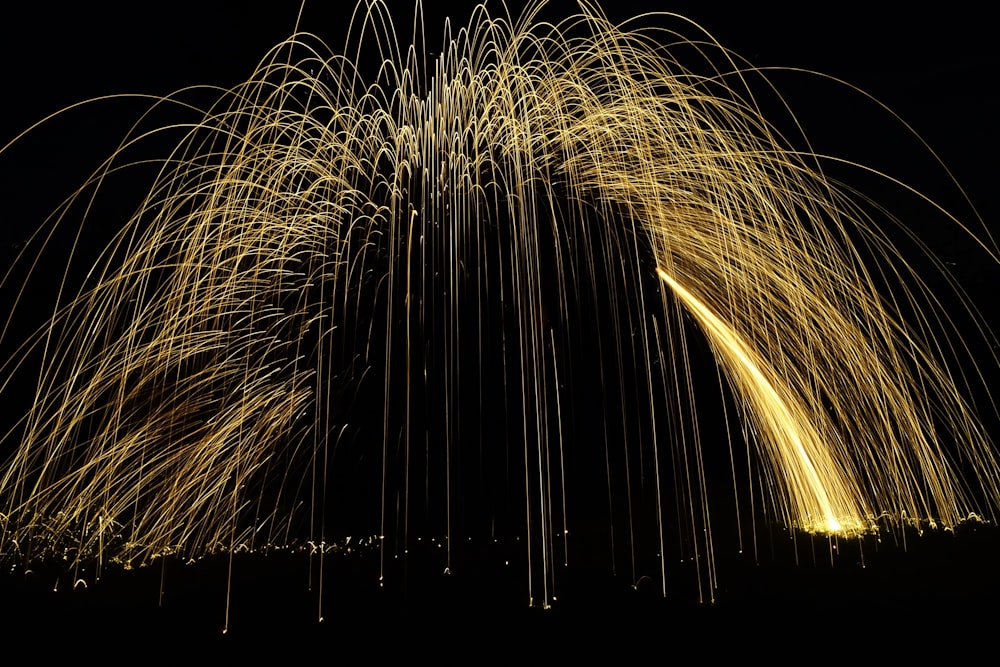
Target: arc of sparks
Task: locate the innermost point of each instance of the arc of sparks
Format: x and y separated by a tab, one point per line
816	485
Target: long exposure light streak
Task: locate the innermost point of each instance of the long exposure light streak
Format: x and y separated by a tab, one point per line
799	450
366	288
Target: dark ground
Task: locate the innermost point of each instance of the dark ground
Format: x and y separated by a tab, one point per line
942	590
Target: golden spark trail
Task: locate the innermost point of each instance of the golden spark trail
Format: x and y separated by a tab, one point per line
814	483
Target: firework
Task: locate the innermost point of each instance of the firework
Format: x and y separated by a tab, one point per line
353	299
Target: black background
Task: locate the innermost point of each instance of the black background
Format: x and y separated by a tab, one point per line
938	70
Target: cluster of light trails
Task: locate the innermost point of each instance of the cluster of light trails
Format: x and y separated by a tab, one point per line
415	242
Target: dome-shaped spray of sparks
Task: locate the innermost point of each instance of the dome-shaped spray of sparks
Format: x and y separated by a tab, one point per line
430	245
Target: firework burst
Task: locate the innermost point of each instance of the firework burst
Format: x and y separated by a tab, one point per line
363	285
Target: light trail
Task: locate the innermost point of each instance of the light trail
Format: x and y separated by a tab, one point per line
814	482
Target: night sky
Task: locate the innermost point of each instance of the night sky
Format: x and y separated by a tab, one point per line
938	70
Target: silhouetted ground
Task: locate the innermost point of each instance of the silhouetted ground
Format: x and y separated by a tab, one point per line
941	591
